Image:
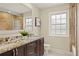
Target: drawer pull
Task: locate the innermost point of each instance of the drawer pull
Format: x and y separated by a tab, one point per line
16	51
13	52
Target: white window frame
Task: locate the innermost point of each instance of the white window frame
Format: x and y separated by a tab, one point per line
25	23
59	12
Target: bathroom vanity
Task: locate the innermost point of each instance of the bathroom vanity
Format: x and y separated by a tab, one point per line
33	46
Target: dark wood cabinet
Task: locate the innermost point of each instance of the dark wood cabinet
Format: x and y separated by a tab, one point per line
35	48
40	47
31	49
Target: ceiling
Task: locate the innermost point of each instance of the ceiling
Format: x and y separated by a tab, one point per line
19	8
14	8
45	5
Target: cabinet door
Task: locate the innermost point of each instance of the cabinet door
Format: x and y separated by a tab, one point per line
30	49
20	51
8	53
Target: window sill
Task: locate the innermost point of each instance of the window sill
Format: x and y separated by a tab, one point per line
58	35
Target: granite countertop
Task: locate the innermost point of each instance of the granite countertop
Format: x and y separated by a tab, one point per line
14	44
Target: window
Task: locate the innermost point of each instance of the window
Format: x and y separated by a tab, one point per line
58	24
28	24
17	25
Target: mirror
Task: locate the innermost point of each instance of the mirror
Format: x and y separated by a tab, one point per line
12	16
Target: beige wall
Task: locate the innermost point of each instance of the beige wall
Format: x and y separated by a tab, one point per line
78	28
35	13
61	42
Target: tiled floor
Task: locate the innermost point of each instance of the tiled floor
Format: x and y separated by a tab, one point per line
57	52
